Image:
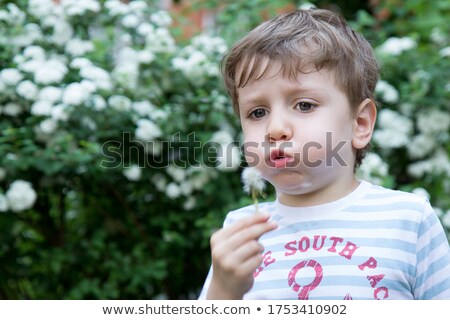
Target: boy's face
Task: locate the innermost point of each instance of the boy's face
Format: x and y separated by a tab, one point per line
299	135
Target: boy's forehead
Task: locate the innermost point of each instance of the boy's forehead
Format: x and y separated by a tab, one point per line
254	68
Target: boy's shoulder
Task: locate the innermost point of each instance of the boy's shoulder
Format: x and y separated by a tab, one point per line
387	195
392	204
369	198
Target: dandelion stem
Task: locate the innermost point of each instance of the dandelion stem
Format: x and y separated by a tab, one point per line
255	200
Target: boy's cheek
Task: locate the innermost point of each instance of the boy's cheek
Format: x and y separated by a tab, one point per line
252	153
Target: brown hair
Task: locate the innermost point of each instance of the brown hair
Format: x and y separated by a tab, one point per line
299	40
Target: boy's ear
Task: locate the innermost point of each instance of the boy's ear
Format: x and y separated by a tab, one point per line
364	123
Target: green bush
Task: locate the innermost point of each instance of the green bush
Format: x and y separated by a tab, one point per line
113	173
109	186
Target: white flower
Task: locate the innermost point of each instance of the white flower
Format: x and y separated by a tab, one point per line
147	130
143	108
20	195
207	44
160	41
98	102
41	108
62	32
40	8
438	164
421	192
438	36
27	89
160	182
394	131
48	126
190	203
389	139
50	94
76	93
145	29
2	173
420	168
130	21
153	147
51	71
89	123
3	203
15	13
173	190
421	145
200	176
177	173
97	75
146	56
395	46
446	220
80	62
117	8
34	53
433	121
59	112
161	19
222	137
77	47
373	168
252	180
439	212
445	52
133	173
228	157
127	73
138	5
120	103
12	109
186	187
307	6
32	33
79	8
31	66
10	76
387	92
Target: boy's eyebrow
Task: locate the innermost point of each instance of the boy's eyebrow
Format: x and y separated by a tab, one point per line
256	98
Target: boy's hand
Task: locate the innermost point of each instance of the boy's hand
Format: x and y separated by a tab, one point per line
236	253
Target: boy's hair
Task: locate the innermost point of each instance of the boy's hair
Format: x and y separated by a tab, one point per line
300	40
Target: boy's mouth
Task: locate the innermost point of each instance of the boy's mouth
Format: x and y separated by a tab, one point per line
278	159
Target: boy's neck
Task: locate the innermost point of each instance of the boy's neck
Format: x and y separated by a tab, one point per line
327	194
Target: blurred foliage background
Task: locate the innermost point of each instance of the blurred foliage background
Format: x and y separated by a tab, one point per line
120	151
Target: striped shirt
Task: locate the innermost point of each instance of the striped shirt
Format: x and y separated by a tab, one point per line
375	243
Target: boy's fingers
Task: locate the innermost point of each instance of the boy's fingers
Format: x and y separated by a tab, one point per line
240	245
225	245
244	223
252	263
247	251
252	232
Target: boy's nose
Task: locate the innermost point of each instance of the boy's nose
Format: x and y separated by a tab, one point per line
278	129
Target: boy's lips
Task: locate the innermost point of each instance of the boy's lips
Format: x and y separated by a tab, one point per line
279	159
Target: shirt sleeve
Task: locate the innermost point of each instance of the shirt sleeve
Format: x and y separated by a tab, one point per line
205	288
433	259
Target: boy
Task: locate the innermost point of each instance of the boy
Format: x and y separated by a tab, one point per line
302	85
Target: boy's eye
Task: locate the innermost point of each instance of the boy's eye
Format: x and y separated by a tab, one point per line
258	113
304	106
